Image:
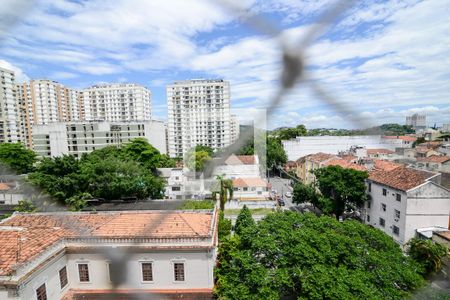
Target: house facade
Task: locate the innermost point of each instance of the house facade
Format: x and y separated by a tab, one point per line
64	255
404	200
239	166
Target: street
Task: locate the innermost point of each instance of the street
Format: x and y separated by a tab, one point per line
282	186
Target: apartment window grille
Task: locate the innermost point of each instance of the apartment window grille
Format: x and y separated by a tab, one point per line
396	214
384	192
41	292
383	207
83	272
368	218
368	204
147	271
178	269
398	197
382	222
370	187
396	230
63	277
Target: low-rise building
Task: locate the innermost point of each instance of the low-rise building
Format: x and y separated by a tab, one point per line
175	182
380	153
252	192
10	194
66	255
434	163
76	138
307	164
239	166
404	200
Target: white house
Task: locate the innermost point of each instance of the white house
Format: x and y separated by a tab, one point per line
64	255
404	200
239	166
253	192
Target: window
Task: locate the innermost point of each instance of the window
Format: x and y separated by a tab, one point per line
63	277
83	272
245	189
396	214
384	192
382	222
370	187
395	230
147	271
368	218
176	188
368	204
178	269
41	292
398	197
383	207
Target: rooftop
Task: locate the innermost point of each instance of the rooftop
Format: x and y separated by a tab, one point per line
379	151
385	165
434	158
405	138
249	182
400	178
345	164
241	160
319	157
25	236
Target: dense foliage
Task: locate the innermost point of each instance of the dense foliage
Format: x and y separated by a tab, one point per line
17	157
196	204
427	253
225	191
197	160
305	193
301	256
109	173
341	189
225	226
244	220
287	133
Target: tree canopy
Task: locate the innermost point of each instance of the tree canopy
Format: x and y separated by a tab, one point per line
428	254
244	220
17	157
301	256
109	173
341	189
290	132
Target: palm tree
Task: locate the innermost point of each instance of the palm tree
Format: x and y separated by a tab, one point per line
226	191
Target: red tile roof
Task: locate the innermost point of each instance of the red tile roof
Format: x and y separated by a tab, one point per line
345	164
401	137
434	158
249	182
240	159
379	151
4	187
400	178
319	157
385	165
349	157
24	236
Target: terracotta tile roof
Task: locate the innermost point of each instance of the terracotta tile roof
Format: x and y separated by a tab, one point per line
406	138
240	159
345	164
434	158
421	149
319	157
379	151
385	165
400	178
24	236
291	163
349	157
4	187
249	182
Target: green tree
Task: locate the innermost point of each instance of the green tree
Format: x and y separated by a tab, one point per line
195	204
225	191
78	202
427	253
301	256
291	132
141	151
17	157
341	188
197	161
25	206
305	193
244	220
420	140
224	226
207	149
276	156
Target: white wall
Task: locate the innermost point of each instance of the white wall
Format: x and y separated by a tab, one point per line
155	132
237	171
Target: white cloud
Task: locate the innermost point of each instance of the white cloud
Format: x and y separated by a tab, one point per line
20	76
63	75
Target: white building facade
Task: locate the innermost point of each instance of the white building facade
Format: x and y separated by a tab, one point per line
198	114
404	200
417	121
83	254
9	118
83	137
119	102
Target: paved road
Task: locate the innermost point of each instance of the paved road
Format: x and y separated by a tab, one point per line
282	186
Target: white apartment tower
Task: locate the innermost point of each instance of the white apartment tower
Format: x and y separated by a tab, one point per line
119	102
9	120
417	121
234	128
198	114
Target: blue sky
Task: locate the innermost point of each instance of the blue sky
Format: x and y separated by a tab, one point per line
383	59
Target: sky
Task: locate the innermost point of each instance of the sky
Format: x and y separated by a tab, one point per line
381	59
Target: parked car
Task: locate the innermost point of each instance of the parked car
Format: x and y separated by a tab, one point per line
288	194
281	202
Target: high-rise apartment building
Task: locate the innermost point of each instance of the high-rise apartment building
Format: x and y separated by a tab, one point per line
198	114
118	102
234	128
417	121
9	120
43	102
